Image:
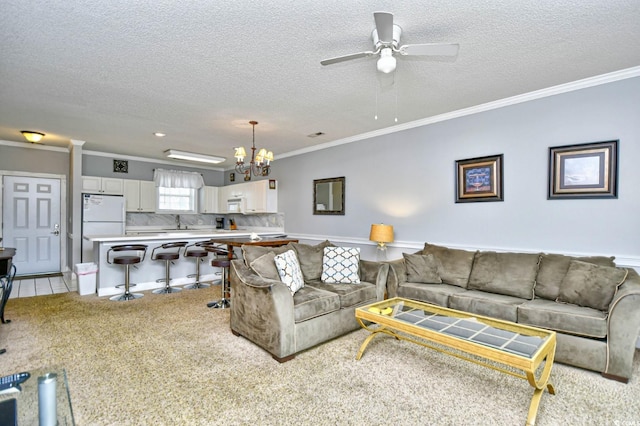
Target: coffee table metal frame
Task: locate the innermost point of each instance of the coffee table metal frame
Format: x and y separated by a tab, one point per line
411	331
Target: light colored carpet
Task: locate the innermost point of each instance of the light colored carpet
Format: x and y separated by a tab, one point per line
170	360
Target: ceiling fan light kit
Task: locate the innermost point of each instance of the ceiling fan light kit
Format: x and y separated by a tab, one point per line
386	39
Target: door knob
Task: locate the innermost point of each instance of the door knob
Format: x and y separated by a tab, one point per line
56	229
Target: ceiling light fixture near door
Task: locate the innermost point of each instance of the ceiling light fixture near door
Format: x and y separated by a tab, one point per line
191	156
32	137
259	164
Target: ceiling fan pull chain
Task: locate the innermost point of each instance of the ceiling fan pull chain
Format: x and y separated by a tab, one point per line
376	90
395	88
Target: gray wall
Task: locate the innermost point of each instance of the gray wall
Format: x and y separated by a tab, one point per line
94	165
34	160
407	179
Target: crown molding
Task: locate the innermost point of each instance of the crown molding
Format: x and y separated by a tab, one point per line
514	100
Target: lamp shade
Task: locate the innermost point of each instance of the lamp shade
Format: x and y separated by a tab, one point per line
381	233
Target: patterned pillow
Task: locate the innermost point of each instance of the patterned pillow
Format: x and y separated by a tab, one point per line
289	270
340	265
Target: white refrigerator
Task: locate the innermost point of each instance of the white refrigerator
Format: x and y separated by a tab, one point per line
101	215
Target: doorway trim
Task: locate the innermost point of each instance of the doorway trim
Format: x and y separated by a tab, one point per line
63	208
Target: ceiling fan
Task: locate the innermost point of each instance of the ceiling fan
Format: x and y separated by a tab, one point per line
386	37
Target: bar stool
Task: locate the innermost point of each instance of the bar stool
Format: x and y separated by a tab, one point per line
196	250
126	259
167	257
222	260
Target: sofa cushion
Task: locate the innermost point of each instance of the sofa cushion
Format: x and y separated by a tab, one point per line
488	304
349	294
511	274
265	266
591	285
310	258
456	264
563	318
422	268
553	268
437	294
289	270
341	265
251	253
310	302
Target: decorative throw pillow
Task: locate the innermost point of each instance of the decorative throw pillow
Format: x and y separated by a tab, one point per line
265	266
422	268
310	258
456	263
251	253
340	265
591	285
553	268
289	270
511	274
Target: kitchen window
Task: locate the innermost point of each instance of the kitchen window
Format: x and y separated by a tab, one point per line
176	200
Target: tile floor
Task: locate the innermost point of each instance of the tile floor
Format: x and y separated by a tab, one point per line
43	286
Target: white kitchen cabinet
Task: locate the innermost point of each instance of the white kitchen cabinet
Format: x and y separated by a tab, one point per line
102	185
209	200
262	197
140	195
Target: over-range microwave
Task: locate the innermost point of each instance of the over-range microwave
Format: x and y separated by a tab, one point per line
236	205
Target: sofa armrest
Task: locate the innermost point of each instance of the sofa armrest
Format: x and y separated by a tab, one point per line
377	273
623	325
262	310
397	271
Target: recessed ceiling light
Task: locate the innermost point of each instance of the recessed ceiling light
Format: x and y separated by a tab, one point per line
160	134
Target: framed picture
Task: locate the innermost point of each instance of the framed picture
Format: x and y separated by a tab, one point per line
232	177
479	179
584	171
272	184
121	166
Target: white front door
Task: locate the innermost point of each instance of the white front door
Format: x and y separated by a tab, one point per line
31	223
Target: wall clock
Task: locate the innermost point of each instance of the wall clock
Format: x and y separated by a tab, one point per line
120	166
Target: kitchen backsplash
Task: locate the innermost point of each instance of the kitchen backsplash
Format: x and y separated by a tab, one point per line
271	220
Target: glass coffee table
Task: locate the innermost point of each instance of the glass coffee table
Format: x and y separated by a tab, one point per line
489	342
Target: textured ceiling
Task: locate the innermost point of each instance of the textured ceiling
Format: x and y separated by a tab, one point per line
113	72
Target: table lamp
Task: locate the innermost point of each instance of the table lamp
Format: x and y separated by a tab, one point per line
382	234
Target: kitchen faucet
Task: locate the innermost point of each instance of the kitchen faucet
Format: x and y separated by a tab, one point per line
178	220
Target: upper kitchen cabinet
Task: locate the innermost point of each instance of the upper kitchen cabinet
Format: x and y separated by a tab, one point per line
140	195
209	200
262	196
102	185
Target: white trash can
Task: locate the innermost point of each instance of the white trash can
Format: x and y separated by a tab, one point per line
86	273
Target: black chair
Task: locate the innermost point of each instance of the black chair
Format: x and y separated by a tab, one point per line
124	256
221	260
197	251
172	253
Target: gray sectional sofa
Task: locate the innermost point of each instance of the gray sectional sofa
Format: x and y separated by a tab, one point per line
593	305
264	310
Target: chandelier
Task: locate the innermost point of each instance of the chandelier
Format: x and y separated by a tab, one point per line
259	164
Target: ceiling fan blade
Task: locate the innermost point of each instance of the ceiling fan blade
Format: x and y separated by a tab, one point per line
430	49
346	58
384	26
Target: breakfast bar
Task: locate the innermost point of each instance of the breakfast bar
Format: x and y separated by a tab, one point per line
145	274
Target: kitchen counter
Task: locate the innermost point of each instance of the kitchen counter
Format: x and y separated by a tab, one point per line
146	273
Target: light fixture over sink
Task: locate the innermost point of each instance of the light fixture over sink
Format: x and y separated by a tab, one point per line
259	164
191	156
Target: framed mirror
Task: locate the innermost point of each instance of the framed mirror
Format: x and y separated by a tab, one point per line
328	196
